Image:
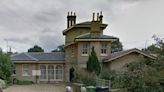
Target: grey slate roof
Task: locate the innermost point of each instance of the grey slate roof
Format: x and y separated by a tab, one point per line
87	24
39	56
83	24
88	36
123	53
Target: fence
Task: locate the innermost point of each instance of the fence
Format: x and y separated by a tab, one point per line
102	82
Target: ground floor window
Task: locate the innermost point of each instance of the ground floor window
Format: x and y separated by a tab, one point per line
43	72
59	72
25	70
51	72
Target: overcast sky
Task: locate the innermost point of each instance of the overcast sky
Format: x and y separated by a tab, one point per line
24	23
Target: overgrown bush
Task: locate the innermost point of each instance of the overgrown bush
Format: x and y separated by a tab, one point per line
24	82
84	77
107	74
113	76
6	67
2	84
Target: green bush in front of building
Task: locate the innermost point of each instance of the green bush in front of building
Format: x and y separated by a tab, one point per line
2	84
24	82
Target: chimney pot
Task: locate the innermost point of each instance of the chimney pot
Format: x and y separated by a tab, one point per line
97	16
71	13
100	13
93	16
101	17
71	19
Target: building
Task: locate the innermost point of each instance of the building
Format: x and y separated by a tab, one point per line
79	39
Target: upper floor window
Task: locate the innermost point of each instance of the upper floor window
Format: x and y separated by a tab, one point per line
25	70
72	51
103	48
85	47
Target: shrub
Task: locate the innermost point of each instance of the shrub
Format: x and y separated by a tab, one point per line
2	84
24	82
6	67
107	74
84	77
114	76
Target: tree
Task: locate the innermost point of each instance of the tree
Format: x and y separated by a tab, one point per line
152	49
60	48
36	48
93	64
146	75
117	46
6	67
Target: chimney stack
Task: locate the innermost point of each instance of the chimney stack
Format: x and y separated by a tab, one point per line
71	19
96	25
101	17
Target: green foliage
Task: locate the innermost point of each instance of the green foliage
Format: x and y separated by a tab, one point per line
145	75
24	82
0	50
84	77
107	74
2	84
113	76
36	48
141	76
6	67
93	64
60	48
116	46
152	49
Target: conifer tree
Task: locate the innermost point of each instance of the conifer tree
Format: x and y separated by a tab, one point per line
93	64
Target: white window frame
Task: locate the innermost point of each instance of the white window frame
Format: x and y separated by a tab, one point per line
43	72
25	69
85	49
60	73
104	47
51	70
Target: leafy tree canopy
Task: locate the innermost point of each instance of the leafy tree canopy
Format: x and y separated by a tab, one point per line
117	46
146	75
36	48
60	48
93	64
6	67
152	49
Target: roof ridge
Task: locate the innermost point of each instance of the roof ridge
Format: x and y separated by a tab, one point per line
44	52
122	53
83	35
30	56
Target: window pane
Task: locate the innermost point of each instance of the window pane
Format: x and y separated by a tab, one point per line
25	70
43	72
85	47
50	72
104	48
59	72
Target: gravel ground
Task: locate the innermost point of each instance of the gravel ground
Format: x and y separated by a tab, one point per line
36	88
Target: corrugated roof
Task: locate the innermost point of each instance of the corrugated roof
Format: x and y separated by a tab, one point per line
39	56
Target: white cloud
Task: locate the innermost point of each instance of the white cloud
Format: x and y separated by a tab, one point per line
131	20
